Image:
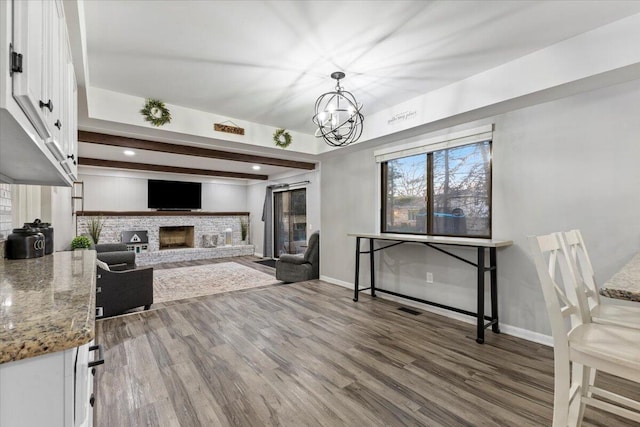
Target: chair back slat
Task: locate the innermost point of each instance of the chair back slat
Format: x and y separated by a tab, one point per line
584	269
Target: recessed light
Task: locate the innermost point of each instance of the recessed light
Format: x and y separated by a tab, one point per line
129	153
256	167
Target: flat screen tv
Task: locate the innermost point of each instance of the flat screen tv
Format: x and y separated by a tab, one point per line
174	195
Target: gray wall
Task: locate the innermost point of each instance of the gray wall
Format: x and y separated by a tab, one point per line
115	193
571	163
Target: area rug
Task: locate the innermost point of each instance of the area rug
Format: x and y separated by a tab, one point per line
188	282
268	262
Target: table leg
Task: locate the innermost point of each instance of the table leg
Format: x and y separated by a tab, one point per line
493	261
480	310
372	269
355	282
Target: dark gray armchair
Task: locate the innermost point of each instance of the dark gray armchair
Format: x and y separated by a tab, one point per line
298	268
116	256
119	291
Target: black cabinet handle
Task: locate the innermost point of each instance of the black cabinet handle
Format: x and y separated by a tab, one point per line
71	156
100	360
58	124
49	105
92	400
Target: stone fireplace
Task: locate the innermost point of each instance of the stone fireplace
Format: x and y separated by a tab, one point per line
179	247
176	237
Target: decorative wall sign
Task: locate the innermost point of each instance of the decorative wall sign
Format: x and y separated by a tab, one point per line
401	117
156	112
282	138
236	130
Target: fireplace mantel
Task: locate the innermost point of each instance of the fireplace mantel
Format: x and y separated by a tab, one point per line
159	213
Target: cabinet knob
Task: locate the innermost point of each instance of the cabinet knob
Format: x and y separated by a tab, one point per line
49	105
92	400
71	156
58	124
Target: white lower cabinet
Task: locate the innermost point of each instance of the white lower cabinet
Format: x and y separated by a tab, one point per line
54	390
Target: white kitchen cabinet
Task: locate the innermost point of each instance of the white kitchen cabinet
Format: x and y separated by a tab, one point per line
37	132
54	390
29	50
70	114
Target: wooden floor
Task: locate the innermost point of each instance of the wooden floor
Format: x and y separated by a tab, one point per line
306	355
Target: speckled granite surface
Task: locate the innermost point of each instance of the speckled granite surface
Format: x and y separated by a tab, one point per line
625	284
46	304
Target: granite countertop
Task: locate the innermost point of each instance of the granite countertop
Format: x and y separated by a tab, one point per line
47	304
625	284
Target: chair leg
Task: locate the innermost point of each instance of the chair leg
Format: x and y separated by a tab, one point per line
580	377
147	307
561	390
592	380
588	378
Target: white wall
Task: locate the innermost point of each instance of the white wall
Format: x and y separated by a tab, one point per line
129	193
27	204
255	203
570	163
61	219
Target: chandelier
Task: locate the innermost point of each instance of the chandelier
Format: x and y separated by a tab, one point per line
338	116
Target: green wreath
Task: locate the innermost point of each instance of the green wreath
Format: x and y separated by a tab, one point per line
154	111
282	138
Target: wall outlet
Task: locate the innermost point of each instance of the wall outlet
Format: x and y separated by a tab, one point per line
429	277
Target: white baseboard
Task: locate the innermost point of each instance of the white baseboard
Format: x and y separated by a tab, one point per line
258	254
526	334
504	328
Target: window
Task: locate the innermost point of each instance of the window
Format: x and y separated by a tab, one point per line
445	192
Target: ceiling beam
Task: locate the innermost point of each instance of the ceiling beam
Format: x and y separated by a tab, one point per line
187	150
84	161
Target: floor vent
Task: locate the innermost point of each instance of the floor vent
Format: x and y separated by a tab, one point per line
410	311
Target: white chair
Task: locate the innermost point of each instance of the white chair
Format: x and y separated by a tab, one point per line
588	346
612	314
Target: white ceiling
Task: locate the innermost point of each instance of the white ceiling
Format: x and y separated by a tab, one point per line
267	61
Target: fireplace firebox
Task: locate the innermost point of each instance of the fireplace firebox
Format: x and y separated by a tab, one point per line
176	237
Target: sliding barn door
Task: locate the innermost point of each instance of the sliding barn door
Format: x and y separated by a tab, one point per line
289	222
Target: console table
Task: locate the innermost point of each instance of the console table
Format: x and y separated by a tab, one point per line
436	242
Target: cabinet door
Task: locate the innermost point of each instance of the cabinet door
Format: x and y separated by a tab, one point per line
69	124
29	26
82	392
34	391
54	75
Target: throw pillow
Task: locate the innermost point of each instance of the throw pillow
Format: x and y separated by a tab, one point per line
103	265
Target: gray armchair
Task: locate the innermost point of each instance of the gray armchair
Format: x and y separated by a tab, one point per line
116	256
119	291
298	268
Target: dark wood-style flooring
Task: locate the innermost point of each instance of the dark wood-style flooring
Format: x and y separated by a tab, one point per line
305	354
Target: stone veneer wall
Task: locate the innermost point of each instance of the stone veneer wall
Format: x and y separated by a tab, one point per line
5	215
113	226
